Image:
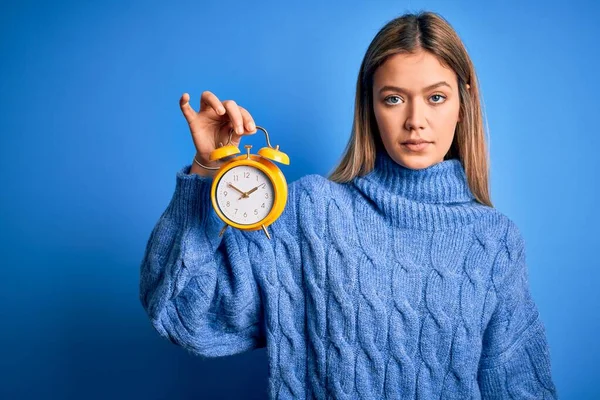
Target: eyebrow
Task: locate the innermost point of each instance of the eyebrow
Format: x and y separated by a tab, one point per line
399	89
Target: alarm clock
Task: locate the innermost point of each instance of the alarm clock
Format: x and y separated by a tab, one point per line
249	192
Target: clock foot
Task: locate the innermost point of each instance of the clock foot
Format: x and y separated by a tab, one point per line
223	230
266	232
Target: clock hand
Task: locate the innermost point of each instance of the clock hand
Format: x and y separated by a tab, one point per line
253	190
244	194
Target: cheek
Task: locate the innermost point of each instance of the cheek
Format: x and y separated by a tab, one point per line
445	120
378	113
386	119
445	132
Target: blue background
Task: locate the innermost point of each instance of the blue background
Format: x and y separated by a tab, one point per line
92	136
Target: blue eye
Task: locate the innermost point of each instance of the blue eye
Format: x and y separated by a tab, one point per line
439	96
391	97
437	99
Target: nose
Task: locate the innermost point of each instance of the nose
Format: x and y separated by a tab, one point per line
415	119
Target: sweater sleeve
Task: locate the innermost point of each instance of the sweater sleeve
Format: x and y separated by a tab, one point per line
515	360
199	289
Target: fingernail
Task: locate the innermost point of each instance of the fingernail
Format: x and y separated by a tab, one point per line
240	129
252	126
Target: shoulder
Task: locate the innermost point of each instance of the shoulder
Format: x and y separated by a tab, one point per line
509	245
320	189
498	233
508	231
314	186
311	181
315	196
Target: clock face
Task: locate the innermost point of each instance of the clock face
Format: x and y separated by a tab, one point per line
245	209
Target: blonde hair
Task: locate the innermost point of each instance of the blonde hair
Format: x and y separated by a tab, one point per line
409	33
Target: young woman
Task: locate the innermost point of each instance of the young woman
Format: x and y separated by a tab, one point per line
393	278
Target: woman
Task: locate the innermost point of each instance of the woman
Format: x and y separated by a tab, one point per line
394	278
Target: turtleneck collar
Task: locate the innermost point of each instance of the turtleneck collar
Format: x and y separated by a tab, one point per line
444	182
438	195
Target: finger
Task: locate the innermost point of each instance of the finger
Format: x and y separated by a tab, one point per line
235	116
248	120
209	99
188	112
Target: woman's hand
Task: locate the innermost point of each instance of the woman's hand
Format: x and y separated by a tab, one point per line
211	125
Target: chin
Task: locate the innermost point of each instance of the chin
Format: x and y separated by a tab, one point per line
414	160
417	164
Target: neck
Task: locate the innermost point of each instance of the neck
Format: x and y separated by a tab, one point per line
428	197
444	182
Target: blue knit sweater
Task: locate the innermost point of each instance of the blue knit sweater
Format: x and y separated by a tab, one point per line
397	285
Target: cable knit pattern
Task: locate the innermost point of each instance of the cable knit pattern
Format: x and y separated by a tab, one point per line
397	285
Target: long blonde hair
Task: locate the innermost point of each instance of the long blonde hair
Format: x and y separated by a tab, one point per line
409	33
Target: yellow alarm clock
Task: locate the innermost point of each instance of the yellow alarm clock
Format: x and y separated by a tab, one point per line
249	192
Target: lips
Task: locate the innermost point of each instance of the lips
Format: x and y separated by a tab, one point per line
416	144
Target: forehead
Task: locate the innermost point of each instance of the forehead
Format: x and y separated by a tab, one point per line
413	71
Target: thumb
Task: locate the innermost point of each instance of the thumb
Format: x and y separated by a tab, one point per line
188	112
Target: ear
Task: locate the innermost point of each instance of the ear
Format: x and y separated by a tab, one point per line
460	111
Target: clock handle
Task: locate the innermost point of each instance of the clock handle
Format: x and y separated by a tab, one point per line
258	128
266	135
272	153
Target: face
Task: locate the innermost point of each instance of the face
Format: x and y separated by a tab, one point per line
415	98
